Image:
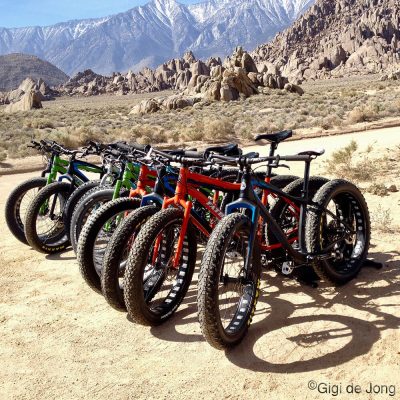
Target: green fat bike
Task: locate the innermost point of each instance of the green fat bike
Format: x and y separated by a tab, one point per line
22	195
43	226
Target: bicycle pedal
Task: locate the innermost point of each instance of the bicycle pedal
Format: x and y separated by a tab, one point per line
287	268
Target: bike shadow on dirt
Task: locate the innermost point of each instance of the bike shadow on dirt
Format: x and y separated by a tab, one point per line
321	328
65	255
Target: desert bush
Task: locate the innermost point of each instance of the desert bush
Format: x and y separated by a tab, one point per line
218	129
363	114
382	220
3	156
378	189
343	164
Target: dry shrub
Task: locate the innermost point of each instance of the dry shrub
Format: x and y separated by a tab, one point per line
378	189
342	164
193	132
39	123
363	114
3	156
146	134
219	129
382	220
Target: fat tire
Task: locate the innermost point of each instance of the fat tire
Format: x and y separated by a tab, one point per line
323	268
137	260
207	298
14	220
73	200
88	235
62	188
110	286
83	209
277	209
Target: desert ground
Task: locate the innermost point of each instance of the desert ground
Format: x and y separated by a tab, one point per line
58	339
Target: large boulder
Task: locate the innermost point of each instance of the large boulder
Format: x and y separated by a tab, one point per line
29	101
183	79
292	88
146	107
27	85
178	102
237	79
248	63
14	95
212	90
228	93
199	68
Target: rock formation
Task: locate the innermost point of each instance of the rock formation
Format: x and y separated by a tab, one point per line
39	88
238	77
29	101
337	38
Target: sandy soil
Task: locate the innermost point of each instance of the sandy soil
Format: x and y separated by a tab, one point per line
58	339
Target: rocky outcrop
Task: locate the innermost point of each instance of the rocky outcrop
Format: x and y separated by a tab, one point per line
238	77
174	102
28	85
174	74
29	101
394	76
337	38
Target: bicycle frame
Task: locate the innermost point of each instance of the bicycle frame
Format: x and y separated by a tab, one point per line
187	187
248	200
75	175
70	170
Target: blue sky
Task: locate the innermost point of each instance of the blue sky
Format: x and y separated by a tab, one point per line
17	13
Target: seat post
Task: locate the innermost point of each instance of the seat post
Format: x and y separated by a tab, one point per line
272	150
303	207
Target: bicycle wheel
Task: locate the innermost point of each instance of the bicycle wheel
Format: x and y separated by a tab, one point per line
73	200
88	204
153	288
44	227
227	296
286	215
339	226
116	255
95	236
17	203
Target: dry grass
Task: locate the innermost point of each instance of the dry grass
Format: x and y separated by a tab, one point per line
349	163
365	168
326	106
382	220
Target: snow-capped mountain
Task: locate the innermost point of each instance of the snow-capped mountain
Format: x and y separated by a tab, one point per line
151	34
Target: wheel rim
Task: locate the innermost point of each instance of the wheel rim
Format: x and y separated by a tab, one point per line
162	283
103	238
49	221
235	292
344	233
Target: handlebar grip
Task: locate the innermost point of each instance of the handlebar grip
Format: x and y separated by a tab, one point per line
141	147
252	154
193	154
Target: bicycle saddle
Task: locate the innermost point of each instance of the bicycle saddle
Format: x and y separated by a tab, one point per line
316	153
275	137
231	150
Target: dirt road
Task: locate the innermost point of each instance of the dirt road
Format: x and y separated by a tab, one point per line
60	340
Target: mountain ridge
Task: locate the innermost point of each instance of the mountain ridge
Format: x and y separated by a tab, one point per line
14	68
149	35
338	38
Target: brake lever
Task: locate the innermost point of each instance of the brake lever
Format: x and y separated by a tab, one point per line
283	166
